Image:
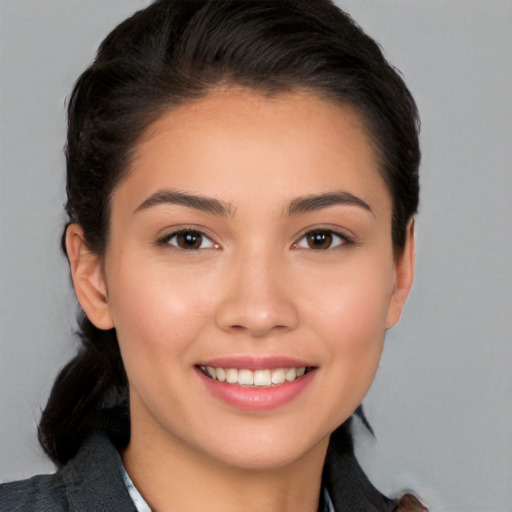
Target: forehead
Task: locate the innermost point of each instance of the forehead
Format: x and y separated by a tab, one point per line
293	143
244	112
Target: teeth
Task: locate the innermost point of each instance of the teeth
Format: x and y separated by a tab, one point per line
262	378
232	375
246	377
278	376
291	374
220	374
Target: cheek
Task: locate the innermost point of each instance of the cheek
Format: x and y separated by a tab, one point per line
355	329
353	334
351	319
351	305
158	311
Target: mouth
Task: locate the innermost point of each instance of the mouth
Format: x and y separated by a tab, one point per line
255	378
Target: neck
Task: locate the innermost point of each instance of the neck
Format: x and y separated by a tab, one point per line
172	477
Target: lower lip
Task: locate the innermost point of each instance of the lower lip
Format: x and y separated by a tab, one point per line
257	398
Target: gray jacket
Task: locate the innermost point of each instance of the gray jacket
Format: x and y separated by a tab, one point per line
93	482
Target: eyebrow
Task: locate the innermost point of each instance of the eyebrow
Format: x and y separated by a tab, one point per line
302	204
196	202
315	202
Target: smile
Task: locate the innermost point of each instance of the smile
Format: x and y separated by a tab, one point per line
254	378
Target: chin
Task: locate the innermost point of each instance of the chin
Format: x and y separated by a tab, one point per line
267	450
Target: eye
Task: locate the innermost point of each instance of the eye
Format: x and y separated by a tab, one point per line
188	240
322	239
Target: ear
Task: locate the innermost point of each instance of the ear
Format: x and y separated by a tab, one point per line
404	276
88	278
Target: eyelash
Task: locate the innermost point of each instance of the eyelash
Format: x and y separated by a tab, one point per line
340	239
165	240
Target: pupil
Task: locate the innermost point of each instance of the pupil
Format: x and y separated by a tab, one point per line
189	240
319	240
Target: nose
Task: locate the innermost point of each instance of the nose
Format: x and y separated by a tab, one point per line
257	299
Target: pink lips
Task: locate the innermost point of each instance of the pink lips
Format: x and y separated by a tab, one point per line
257	398
254	363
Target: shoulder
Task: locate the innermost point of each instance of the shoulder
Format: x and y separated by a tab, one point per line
92	480
351	490
39	493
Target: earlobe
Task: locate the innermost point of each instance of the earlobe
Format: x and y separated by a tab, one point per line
404	276
88	278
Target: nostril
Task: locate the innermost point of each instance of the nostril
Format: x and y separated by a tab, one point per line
256	315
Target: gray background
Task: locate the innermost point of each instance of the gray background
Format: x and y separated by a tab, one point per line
441	404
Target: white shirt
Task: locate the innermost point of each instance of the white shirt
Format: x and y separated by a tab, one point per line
142	506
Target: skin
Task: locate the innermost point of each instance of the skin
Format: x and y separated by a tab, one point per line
254	287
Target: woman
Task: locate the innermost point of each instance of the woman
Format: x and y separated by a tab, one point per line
242	179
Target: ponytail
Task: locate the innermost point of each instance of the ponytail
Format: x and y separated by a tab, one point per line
90	393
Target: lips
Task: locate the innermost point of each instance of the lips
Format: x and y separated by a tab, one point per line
255	384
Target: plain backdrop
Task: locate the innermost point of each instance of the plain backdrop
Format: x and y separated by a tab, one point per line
441	404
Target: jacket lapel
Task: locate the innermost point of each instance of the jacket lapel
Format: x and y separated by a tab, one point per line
94	479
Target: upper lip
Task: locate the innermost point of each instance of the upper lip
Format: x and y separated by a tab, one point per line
255	362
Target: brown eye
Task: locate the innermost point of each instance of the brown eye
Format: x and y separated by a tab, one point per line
321	240
189	240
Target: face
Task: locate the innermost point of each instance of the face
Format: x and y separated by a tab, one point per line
250	275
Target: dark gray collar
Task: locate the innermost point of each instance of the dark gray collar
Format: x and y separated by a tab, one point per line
349	487
94	479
